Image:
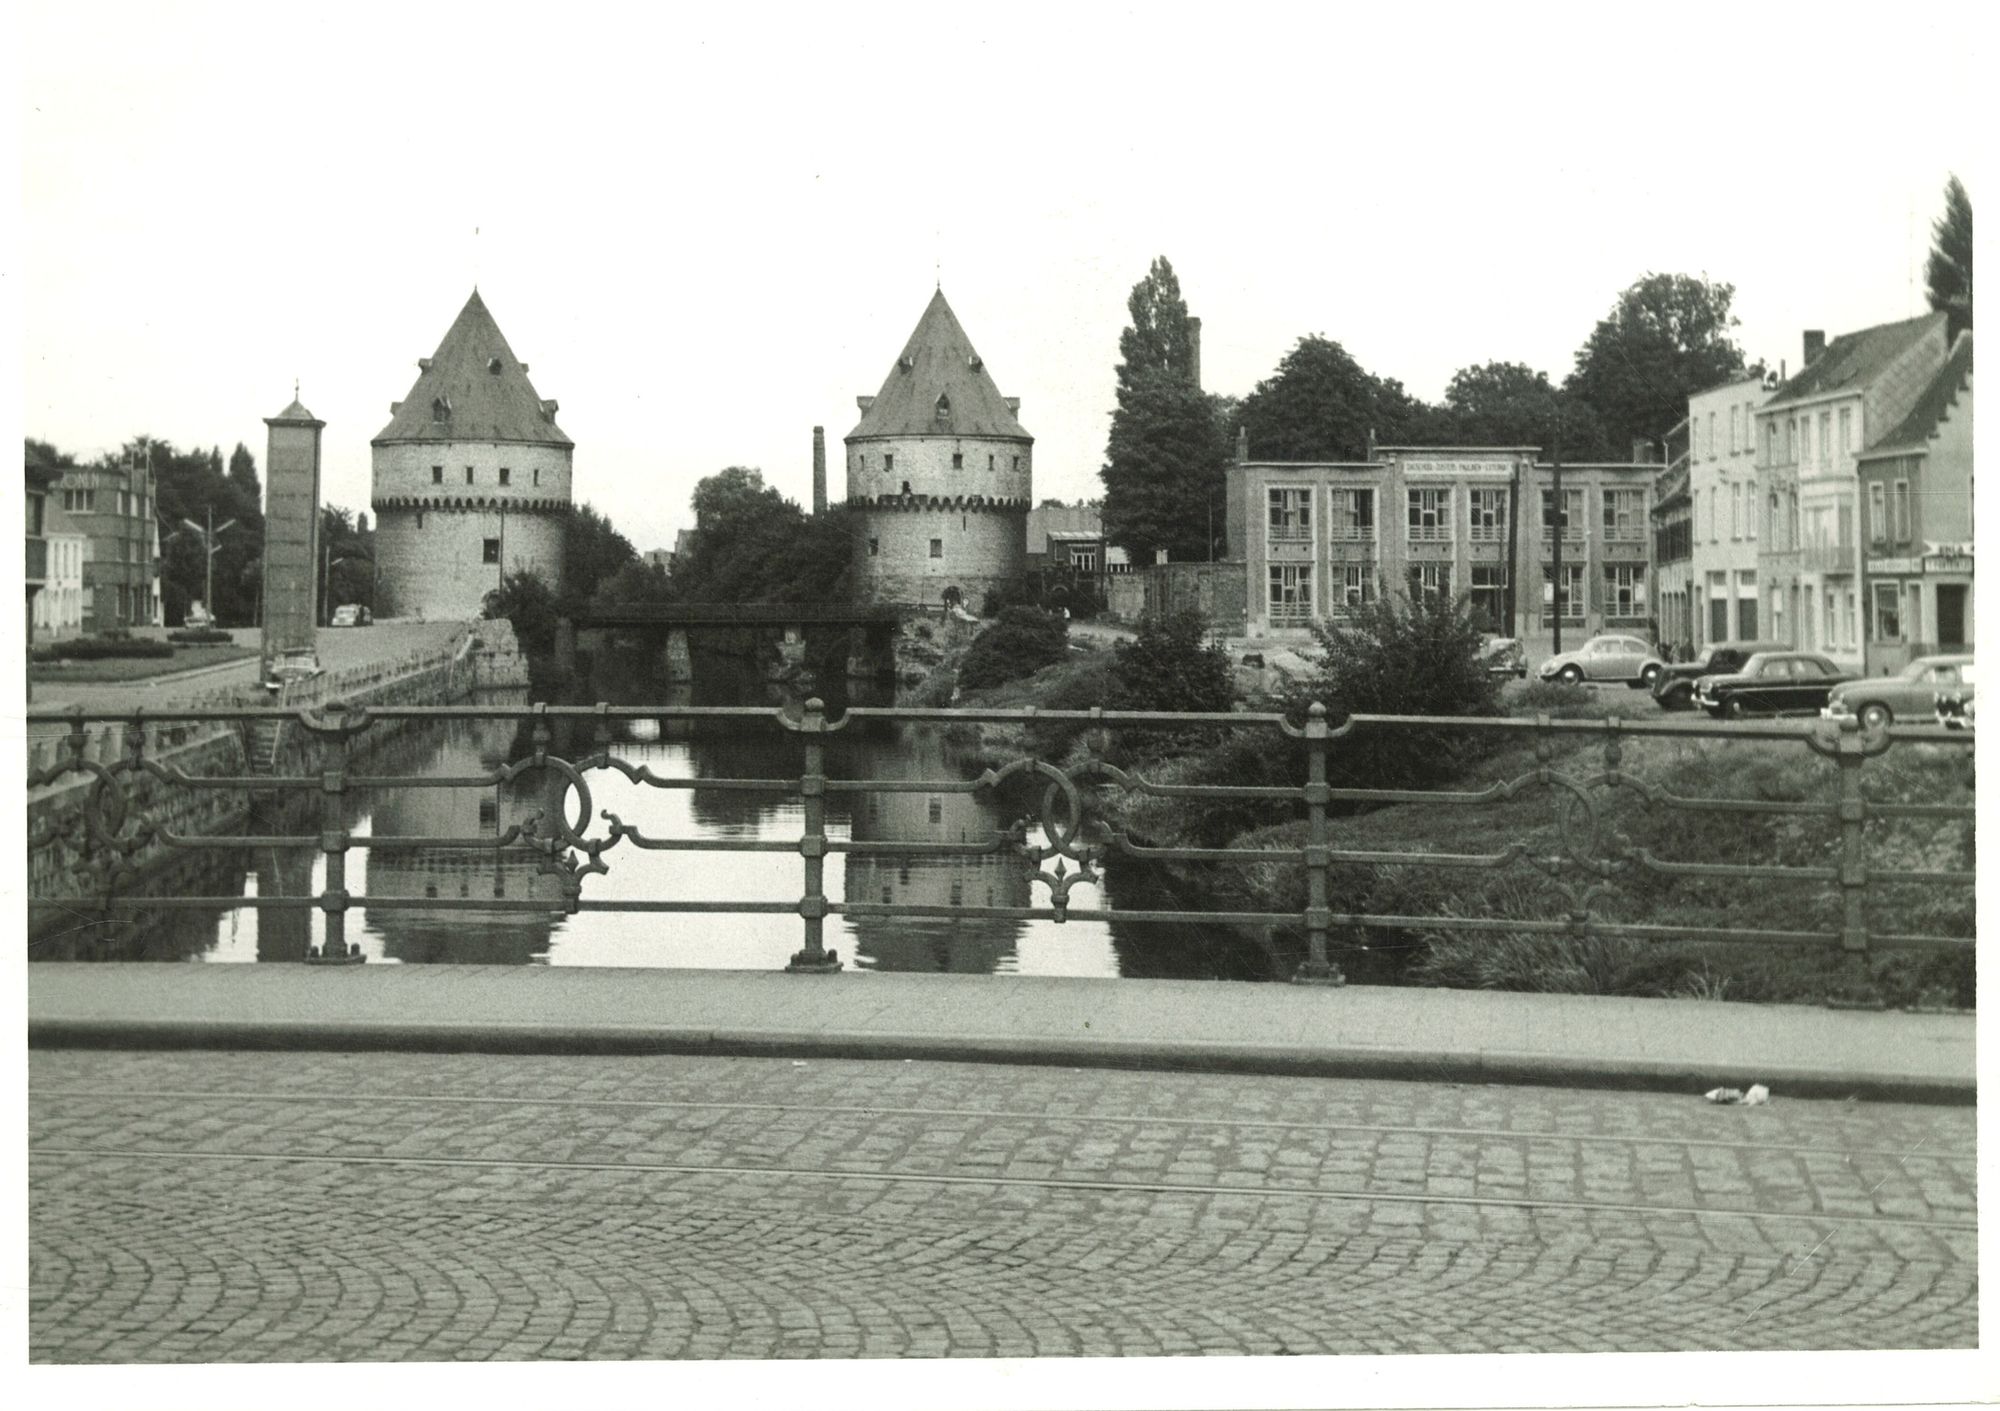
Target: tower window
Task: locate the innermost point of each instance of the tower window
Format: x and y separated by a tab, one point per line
437	475
874	547
958	460
506	476
1017	462
889	460
468	475
537	474
937	548
492	551
989	462
906	487
420	519
943	409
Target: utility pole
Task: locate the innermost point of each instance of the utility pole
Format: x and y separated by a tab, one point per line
1556	514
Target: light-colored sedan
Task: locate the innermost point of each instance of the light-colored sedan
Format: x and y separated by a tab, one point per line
1910	695
1614	656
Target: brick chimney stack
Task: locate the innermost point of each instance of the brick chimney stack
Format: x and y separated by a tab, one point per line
819	470
1194	350
1815	345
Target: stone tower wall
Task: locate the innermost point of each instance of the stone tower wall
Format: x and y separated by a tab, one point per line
983	545
994	468
432	522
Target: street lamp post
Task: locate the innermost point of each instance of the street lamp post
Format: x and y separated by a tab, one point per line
209	548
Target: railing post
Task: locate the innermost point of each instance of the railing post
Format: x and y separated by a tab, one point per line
333	843
815	959
1853	844
1317	969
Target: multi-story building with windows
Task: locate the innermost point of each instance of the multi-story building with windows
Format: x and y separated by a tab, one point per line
1722	511
1673	545
59	606
1916	523
1319	539
1810	436
113	506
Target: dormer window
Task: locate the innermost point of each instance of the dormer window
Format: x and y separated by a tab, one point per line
440	409
493	366
974	363
943	410
906	363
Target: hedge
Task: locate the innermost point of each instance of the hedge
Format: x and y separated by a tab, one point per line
99	648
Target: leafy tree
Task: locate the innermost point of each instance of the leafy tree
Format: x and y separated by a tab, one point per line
243	473
190	485
1666	336
1021	643
348	560
45	453
636	582
1948	272
752	545
592	551
1163	470
1321	405
1510	404
526	600
1170	665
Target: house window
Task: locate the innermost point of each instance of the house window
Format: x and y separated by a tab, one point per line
1357	585
1572	514
1489	516
1844	519
1733	434
1291	515
506	475
1083	560
1489	592
958	460
1846	429
1735	511
1826	440
1771	442
1430	581
937	548
1291	594
1902	511
1624	514
1430	516
1711	435
1354	516
1888	620
874	547
1572	592
492	551
1624	589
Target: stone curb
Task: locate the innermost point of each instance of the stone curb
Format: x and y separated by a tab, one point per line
1483	1067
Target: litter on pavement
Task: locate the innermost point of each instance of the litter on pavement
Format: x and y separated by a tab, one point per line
1757	1096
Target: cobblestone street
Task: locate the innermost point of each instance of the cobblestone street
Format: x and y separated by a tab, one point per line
240	1206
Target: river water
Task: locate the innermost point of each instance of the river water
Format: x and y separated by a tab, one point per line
707	750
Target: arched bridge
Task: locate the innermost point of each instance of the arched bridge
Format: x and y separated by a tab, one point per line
871	630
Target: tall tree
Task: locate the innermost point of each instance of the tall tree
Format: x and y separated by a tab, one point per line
752	545
1666	336
592	551
1322	405
1948	272
243	474
1164	460
1511	404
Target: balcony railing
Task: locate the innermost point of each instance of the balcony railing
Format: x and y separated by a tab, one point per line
1598	883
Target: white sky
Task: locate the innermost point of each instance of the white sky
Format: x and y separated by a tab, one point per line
707	234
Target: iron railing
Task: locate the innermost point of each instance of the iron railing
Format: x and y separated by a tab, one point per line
1582	854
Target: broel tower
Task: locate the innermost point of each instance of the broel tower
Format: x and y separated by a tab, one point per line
939	471
471	476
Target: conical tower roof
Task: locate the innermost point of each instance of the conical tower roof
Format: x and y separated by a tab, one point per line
473	389
939	363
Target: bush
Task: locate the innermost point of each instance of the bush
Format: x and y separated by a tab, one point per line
1400	656
1557	699
201	637
1021	643
100	648
1170	665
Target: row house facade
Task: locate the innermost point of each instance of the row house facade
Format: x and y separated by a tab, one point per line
113	507
1318	540
1722	510
1810	438
59	606
1673	545
1916	539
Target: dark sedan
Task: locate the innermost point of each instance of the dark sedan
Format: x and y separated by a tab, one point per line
1673	688
1771	683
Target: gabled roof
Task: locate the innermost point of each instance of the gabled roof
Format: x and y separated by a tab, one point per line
1914	430
939	362
1853	360
483	388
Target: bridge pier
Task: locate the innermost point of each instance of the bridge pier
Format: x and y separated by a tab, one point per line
565	647
871	652
680	658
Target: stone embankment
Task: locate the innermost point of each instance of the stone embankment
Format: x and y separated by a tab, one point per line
66	863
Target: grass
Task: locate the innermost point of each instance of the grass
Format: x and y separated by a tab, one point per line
136	668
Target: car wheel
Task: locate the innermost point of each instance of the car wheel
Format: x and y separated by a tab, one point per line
1876	716
1571	675
1649	676
1732	709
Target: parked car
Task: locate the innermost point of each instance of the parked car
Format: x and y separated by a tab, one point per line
1614	656
1771	683
198	616
1912	694
1503	657
351	615
1954	704
1673	687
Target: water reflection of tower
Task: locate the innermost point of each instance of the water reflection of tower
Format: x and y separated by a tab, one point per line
966	945
476	934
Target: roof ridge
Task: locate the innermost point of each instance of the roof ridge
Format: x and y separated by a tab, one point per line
473	388
939	386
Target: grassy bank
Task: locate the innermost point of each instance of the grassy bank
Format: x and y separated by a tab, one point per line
185	658
1658	814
